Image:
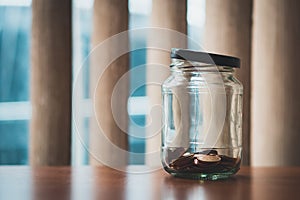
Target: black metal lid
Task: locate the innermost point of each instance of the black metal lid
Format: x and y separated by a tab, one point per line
203	57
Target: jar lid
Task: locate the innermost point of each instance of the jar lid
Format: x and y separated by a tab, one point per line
203	57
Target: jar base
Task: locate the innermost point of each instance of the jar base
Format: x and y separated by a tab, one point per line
203	176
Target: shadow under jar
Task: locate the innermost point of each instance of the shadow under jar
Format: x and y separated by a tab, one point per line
202	116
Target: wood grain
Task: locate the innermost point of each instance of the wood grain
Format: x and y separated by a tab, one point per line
105	183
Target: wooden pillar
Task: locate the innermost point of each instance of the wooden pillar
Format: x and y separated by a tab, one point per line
51	72
168	14
228	31
110	18
275	85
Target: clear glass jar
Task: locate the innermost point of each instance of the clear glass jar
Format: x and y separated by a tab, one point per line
202	116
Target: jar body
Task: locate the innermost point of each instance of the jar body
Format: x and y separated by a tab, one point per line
202	118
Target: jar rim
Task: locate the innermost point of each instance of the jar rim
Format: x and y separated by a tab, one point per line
204	57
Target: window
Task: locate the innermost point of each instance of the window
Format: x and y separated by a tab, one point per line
15	26
15	107
139	17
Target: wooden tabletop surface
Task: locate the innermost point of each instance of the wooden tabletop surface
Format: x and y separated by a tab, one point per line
105	183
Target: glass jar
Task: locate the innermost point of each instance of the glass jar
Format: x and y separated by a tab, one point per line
202	116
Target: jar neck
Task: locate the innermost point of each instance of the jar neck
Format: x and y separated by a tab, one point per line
188	68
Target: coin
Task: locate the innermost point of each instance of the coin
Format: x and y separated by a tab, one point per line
187	154
196	161
207	158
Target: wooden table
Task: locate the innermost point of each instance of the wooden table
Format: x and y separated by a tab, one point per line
105	183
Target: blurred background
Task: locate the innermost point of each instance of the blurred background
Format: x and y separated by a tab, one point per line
15	37
264	34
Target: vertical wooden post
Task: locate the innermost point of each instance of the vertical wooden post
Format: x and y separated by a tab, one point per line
169	14
275	85
51	72
110	18
228	31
